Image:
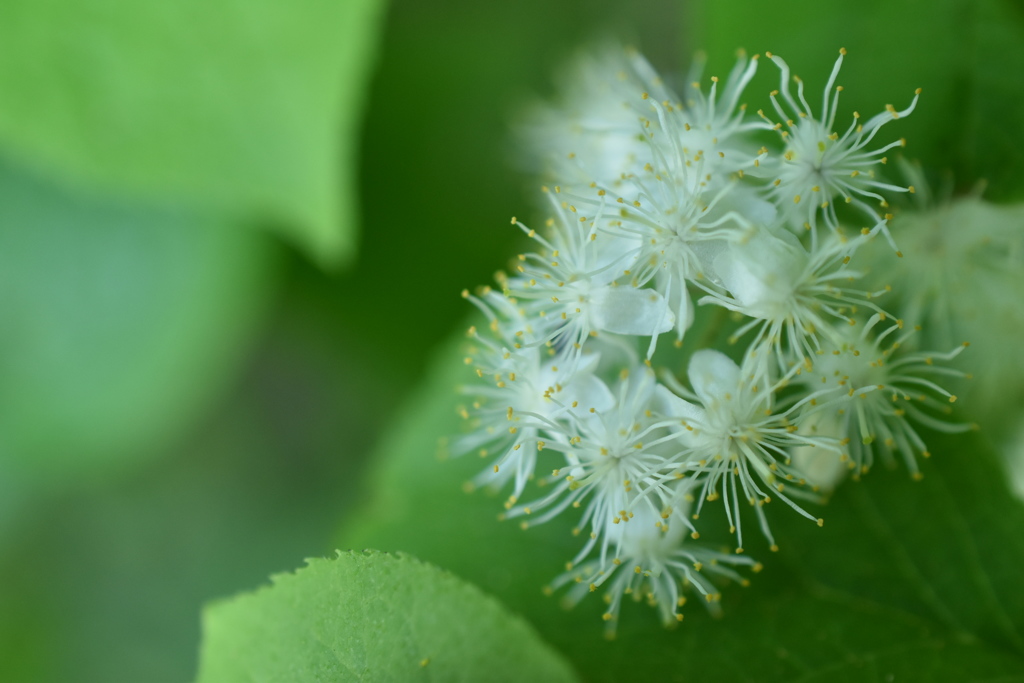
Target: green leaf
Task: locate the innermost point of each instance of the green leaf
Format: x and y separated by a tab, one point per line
371	616
916	580
965	54
250	107
121	323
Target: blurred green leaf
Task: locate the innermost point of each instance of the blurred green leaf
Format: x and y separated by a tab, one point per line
371	616
121	322
256	484
916	580
966	54
247	107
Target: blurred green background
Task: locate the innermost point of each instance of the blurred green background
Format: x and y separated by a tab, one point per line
231	236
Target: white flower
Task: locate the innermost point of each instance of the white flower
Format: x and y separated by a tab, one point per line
820	166
616	117
793	297
653	198
734	441
522	394
712	132
594	133
652	562
615	460
961	279
666	212
877	389
570	289
669	229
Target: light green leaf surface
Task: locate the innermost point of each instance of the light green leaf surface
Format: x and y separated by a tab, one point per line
906	580
121	323
249	107
371	616
965	54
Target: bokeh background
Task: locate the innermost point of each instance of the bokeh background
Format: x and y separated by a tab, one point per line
232	234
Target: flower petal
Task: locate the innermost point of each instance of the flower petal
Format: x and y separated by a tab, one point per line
629	310
713	375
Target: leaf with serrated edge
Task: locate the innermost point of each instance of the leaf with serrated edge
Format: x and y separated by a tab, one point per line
371	616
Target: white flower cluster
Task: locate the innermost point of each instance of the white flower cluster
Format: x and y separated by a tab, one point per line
661	199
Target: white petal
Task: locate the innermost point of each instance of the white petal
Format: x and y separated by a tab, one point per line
756	210
707	252
588	363
684	315
629	310
761	273
589	392
613	254
713	375
820	466
668	404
